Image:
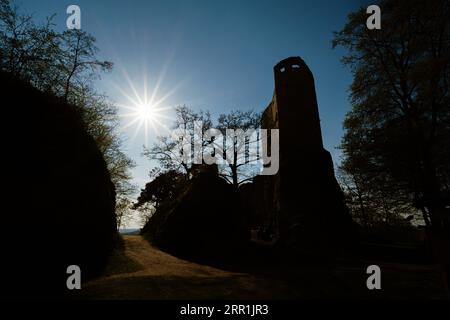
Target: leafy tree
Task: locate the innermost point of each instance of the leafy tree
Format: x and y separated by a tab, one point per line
100	118
372	201
398	132
65	65
163	187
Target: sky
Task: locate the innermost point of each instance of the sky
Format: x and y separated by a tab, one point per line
211	55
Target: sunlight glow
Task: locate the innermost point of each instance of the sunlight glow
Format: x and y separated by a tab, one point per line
144	112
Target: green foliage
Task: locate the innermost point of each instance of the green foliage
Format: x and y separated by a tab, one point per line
159	193
65	65
397	135
164	187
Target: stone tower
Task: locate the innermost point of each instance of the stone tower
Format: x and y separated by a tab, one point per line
296	104
303	201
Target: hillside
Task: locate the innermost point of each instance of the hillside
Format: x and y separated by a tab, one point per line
60	191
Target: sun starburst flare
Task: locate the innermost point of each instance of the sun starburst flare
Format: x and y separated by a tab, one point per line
145	112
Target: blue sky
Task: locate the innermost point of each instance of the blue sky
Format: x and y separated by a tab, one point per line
215	55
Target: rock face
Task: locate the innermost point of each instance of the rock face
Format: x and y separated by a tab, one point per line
62	196
304	204
205	219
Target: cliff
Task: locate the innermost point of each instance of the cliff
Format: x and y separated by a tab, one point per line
62	197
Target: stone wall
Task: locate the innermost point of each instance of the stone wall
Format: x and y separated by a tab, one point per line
304	204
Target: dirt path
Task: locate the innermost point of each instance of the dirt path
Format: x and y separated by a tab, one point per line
140	271
144	272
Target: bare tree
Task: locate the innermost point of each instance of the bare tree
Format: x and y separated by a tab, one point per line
27	50
79	62
166	149
239	129
124	211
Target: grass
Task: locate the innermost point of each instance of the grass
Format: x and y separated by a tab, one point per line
138	270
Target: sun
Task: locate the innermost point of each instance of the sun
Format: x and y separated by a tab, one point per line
146	115
144	112
144	105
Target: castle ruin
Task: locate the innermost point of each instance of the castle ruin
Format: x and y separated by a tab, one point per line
302	204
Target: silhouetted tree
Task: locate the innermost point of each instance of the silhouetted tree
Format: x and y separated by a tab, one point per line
166	149
398	131
101	120
371	200
236	170
79	63
27	50
124	211
65	64
355	196
164	187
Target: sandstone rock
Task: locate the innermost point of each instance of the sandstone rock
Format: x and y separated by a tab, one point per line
62	195
205	219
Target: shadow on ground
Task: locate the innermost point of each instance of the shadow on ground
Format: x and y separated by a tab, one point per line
141	271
